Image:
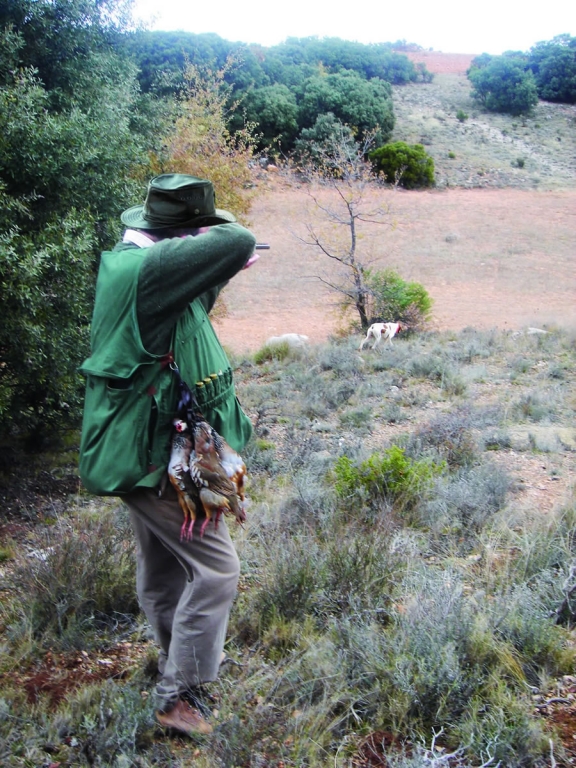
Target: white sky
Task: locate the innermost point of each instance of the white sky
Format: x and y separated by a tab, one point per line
451	26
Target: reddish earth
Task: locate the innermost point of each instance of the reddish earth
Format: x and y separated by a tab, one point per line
490	258
53	677
442	63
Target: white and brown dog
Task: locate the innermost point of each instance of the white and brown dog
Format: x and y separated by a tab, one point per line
381	331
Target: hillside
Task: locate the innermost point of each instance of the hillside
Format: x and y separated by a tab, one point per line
487	149
493	243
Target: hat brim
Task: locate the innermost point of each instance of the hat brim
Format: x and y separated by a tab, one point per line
134	218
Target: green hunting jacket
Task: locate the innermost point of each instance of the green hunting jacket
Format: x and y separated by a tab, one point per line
152	305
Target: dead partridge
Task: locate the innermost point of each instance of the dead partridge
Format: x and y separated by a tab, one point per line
219	474
179	474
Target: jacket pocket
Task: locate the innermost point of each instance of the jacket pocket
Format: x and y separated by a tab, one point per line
114	448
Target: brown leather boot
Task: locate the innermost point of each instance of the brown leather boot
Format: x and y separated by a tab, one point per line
184	719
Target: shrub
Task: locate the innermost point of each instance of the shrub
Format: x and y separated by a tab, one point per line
448	436
390	476
461	116
533	406
291	581
406	164
497	441
395	299
269	352
80	578
260	456
465	501
358	418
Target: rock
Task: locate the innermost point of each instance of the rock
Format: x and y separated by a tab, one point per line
530	332
292	339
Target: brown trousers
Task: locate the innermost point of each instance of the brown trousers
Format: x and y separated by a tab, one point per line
185	588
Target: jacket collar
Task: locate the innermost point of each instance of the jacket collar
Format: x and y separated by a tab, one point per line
137	238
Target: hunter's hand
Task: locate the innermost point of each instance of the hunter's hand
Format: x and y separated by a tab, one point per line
251	260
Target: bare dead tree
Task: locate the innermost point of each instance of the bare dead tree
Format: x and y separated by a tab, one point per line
340	166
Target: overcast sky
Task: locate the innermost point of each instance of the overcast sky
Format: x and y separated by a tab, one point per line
452	26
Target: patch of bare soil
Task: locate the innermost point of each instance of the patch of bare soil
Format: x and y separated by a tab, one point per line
442	63
57	674
498	258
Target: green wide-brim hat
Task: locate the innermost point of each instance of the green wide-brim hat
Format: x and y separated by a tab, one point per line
177	200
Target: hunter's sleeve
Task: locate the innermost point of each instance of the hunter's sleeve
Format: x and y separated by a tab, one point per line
177	271
208	298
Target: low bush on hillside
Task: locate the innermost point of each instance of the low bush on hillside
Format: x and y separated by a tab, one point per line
408	165
391	477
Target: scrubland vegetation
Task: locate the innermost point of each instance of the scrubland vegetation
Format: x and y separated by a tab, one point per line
407	595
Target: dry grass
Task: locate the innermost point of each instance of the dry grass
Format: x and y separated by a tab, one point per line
487	146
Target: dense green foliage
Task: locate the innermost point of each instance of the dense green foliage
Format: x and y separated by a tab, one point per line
161	57
408	165
316	145
390	476
285	88
68	147
284	115
274	110
514	81
503	83
364	105
373	60
554	66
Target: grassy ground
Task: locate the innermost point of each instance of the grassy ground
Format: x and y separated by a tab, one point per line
408	571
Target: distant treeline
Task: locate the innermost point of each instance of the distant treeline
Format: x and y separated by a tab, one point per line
285	88
161	55
515	81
